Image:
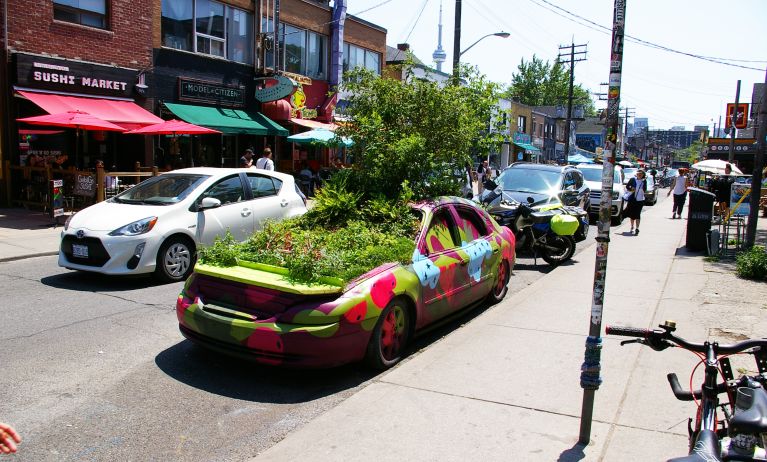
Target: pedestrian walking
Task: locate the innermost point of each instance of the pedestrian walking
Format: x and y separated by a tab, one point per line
246	161
722	187
679	188
265	162
481	171
636	188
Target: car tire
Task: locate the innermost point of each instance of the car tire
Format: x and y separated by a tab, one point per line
175	259
390	336
501	286
618	219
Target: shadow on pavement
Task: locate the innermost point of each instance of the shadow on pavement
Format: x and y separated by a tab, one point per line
81	281
573	454
233	378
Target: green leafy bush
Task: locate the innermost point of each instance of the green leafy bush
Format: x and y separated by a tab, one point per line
752	264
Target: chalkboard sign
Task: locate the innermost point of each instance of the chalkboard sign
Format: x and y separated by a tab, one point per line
85	185
57	198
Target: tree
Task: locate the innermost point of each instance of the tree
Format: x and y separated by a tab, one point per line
539	83
417	131
689	154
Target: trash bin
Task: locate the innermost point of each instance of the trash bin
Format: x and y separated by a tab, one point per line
699	215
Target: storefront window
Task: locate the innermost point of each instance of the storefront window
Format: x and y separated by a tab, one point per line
295	49
316	56
240	44
177	25
355	56
210	27
91	13
199	26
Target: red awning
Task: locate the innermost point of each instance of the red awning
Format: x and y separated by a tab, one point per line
314	124
126	114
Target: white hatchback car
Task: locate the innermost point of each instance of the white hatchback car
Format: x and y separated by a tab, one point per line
592	176
157	225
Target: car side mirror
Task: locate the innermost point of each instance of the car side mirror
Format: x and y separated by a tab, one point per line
209	203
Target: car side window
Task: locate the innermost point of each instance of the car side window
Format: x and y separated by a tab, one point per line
470	225
263	185
228	191
439	236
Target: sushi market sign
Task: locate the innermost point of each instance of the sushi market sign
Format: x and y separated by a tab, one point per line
73	76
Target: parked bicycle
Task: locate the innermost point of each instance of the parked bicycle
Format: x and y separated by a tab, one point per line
733	430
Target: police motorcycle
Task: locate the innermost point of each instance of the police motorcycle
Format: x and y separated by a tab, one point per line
543	228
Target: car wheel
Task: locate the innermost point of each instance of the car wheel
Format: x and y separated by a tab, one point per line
618	219
390	336
501	286
175	259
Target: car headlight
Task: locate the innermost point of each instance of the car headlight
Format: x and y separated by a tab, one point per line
137	227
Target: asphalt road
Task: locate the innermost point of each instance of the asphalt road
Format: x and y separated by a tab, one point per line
94	369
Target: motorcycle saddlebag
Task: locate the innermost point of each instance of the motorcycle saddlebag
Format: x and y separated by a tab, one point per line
564	225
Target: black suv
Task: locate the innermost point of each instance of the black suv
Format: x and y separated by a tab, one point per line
545	184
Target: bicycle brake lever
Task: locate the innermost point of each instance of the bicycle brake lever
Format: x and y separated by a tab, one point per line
636	340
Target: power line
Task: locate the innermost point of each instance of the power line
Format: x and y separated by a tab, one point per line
423	7
604	29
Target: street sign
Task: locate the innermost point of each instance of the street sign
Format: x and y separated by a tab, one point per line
741	121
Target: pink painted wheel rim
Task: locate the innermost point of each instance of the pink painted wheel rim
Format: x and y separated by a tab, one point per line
393	333
501	284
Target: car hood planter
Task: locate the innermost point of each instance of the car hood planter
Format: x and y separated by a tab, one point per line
254	311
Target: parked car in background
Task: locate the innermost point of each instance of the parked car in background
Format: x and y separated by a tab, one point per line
545	184
157	225
462	258
592	175
651	196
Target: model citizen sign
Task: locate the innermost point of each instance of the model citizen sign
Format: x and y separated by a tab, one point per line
209	92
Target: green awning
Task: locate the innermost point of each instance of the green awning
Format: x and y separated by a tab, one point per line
228	121
527	147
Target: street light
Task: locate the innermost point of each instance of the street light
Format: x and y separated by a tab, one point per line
457	57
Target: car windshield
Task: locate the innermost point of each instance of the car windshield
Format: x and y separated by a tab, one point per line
530	180
629	173
595	174
161	190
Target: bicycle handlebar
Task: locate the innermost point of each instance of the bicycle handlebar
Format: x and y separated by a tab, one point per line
659	339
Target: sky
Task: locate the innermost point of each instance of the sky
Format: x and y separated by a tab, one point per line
670	89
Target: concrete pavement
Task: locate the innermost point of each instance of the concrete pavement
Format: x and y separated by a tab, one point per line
505	386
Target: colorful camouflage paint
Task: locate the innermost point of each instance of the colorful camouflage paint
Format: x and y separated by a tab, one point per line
455	265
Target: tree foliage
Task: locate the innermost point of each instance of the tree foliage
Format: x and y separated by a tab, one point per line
416	131
538	83
691	153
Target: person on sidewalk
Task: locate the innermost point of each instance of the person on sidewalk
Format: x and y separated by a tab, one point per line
481	170
246	161
679	188
637	186
722	188
266	162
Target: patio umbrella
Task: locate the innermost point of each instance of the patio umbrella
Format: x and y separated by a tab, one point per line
625	163
73	119
320	136
174	127
716	166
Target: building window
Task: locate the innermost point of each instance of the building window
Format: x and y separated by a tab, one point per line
522	124
535	128
91	13
304	52
208	27
355	56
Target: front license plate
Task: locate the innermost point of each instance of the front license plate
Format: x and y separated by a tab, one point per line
80	251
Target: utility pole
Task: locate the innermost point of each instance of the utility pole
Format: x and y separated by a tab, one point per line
756	180
581	57
457	42
733	119
591	368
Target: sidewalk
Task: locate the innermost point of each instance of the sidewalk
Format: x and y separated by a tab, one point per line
506	385
25	233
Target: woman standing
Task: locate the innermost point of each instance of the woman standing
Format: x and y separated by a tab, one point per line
679	188
637	186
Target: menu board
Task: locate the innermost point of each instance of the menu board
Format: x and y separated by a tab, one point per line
85	185
57	198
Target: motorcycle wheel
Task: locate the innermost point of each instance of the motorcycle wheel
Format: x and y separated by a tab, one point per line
558	249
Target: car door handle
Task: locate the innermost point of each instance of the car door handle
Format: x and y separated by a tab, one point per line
246	212
284	203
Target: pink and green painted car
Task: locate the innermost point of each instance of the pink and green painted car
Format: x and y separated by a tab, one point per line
462	258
